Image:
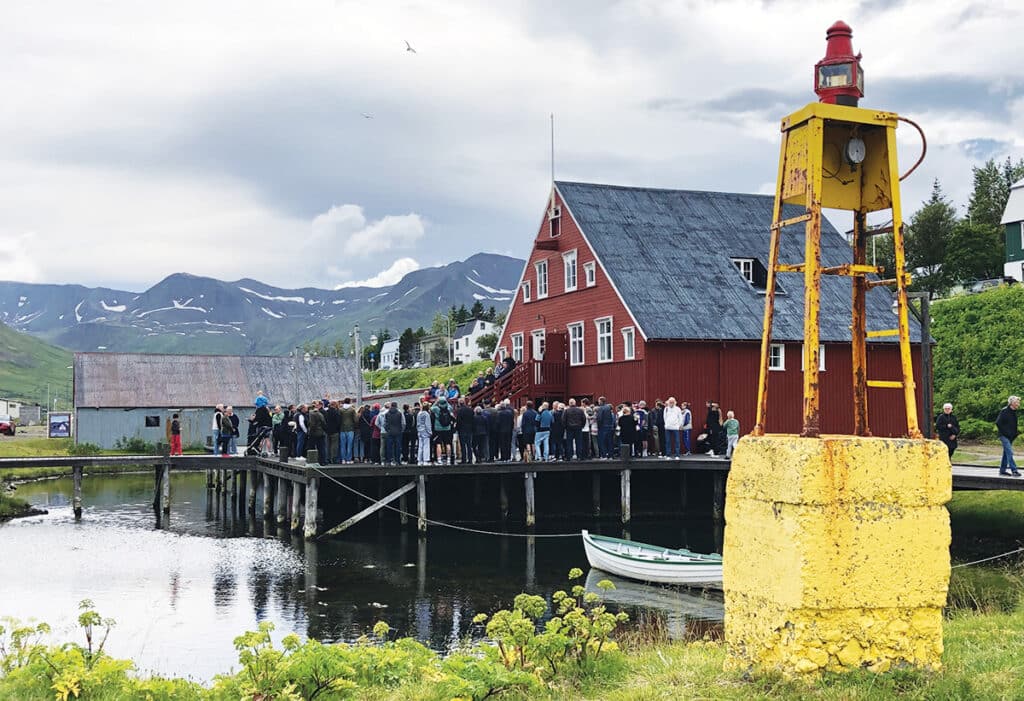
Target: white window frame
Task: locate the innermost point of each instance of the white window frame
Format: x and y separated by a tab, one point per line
821	357
628	348
542	290
745	267
534	335
502	352
577	343
555	215
590	273
526	291
570	271
600	336
780	364
517	340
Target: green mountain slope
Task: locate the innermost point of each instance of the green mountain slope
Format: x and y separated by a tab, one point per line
979	360
27	365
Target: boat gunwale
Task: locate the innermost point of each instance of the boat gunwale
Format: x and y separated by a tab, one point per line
700	559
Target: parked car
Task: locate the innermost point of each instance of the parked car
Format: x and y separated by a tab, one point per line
6	425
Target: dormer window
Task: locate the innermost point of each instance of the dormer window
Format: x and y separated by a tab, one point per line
555	220
746	268
756	275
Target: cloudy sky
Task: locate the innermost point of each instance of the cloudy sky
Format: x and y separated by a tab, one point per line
300	143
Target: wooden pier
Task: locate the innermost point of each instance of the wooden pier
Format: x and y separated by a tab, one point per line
290	488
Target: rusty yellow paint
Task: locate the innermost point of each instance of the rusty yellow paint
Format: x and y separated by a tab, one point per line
836	553
814	172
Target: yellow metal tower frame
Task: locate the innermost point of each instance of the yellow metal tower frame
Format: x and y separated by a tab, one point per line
838	157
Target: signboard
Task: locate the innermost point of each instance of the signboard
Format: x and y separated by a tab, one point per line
60	425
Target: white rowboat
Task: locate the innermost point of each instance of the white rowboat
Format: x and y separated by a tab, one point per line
650	563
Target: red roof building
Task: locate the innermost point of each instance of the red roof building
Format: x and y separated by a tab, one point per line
638	293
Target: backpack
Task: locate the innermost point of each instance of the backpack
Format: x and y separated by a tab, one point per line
444	417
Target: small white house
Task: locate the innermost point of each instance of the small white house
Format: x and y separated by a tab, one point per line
389	355
1013	220
464	347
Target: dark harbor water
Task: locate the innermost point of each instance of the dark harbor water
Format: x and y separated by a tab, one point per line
181	588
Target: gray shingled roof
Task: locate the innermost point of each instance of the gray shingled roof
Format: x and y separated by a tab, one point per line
668	253
152	380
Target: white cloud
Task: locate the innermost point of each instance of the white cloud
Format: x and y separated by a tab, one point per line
142	143
399	269
347	225
17	257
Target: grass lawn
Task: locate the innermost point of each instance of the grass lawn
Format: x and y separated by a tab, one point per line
422	377
998	514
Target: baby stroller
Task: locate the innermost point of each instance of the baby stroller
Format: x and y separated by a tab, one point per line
258	439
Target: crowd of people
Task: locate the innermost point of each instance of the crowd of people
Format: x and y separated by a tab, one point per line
445	427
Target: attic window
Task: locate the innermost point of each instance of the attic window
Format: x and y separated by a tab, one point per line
746	268
555	220
756	275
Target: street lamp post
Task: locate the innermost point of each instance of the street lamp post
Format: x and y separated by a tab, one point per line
354	335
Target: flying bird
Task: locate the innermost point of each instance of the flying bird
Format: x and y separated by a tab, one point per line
366	115
408	46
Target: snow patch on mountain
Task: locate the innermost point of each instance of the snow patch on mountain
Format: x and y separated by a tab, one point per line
300	300
115	307
270	313
486	288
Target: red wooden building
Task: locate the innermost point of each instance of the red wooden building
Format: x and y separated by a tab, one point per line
639	293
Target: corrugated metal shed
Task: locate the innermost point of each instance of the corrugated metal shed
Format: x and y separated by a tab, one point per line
122	380
669	254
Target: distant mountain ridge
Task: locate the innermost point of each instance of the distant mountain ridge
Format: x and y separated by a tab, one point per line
185	313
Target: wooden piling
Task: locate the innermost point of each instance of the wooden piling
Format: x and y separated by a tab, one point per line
531	515
254	478
268	496
626	497
76	500
421	502
243	481
310	527
595	489
217	481
234	485
165	489
718	506
281	500
296	506
531	562
403	509
503	498
209	477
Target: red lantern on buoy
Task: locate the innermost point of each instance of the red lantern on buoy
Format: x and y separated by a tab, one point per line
838	78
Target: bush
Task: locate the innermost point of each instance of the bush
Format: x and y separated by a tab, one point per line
980	341
84	449
978	428
134	446
524	660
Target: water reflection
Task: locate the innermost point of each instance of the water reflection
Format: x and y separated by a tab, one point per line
183	585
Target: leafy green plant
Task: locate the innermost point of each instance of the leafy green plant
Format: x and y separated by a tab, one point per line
84	449
977	429
134	445
578	633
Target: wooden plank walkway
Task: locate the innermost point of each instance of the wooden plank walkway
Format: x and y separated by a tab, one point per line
965	476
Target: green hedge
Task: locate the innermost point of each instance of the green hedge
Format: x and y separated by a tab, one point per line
979	359
422	377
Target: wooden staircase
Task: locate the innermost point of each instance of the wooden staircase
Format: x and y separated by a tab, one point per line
532	379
